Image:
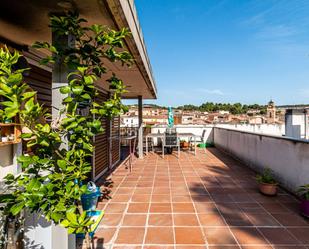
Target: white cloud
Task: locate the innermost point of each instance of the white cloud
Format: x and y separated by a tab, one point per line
212	91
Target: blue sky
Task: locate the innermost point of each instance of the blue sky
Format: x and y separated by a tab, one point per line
227	50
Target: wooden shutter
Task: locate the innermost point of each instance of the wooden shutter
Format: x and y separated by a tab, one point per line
101	143
40	80
115	142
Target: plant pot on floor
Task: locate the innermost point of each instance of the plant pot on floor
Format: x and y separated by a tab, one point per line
268	189
185	144
267	183
304	208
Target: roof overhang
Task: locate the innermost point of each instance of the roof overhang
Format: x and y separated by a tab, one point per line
24	22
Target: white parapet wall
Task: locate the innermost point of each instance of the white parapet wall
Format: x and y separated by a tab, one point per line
272	129
288	158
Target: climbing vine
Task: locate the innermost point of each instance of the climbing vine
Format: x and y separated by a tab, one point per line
57	167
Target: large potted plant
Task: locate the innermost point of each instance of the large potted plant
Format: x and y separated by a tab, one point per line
304	194
267	183
56	169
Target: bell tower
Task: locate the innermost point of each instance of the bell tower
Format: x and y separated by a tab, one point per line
271	112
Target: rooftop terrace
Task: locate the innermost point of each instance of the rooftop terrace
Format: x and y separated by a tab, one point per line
204	201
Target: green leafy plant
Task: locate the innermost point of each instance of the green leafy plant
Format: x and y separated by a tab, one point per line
266	177
303	191
56	170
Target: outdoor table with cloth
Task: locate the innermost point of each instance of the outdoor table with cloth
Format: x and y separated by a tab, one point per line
179	135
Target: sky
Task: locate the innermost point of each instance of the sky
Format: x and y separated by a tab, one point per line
247	51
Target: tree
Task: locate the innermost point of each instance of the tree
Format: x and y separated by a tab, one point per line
54	177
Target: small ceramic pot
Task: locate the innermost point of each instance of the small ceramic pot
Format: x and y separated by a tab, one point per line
268	188
304	208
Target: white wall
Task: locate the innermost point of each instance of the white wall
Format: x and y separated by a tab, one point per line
272	129
8	160
40	233
288	158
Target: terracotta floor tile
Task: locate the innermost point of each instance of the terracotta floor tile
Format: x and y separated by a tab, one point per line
125	247
275	208
221	198
225	247
115	208
302	234
181	198
159	247
144	184
138	207
143	191
159	235
128	184
243	198
140	198
130	235
160	208
278	236
219	236
111	219
184	207
213	219
205	207
104	235
121	198
161	198
237	219
160	220
161	191
256	247
189	235
290	247
125	191
247	236
291	220
134	220
262	219
190	247
251	208
201	198
185	220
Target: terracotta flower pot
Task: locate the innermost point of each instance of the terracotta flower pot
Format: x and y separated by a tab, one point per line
185	144
304	207
268	188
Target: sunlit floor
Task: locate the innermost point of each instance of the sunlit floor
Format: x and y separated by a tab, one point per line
204	201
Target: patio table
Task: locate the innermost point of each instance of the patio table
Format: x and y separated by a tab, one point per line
179	135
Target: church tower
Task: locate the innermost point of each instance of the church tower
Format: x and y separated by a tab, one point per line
271	112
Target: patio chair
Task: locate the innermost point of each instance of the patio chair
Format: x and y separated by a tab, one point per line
170	141
150	143
199	139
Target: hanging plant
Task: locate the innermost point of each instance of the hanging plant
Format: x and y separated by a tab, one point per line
55	172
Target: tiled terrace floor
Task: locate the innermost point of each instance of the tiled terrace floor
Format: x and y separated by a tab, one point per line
204	201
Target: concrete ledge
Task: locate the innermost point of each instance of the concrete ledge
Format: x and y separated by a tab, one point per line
287	157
